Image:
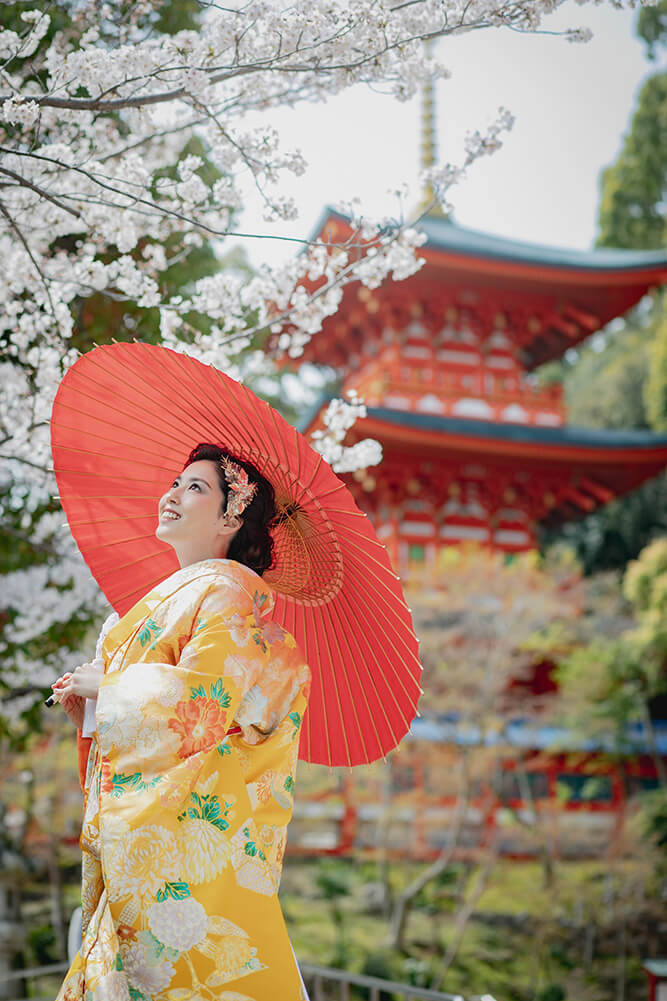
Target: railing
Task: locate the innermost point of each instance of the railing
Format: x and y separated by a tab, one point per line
315	977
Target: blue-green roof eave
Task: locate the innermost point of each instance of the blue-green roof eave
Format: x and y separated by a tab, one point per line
443	234
571	435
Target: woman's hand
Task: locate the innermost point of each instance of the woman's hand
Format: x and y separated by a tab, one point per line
84	681
75	707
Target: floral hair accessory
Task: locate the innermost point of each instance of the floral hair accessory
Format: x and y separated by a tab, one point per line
242	491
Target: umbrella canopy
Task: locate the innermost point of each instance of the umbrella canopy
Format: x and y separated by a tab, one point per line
124	421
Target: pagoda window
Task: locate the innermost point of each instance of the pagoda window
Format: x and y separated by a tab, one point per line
515	414
500	361
430	404
457	356
417	351
574	787
473	408
416	506
514	786
416	553
638	784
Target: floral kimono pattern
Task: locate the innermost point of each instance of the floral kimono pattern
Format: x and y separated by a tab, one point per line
188	795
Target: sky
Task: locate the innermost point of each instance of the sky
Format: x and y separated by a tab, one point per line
572	103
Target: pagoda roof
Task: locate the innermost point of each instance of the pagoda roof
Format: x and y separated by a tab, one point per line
570	293
445	234
526	733
569	436
618	461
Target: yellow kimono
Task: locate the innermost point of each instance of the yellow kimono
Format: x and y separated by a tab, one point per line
184	826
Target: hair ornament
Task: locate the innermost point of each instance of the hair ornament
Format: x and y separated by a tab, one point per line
241	490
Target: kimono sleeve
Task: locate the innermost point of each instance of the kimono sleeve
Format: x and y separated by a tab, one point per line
282	677
151	714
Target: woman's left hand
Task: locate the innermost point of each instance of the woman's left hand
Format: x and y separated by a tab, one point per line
83	681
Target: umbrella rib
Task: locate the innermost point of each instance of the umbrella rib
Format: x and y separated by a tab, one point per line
80	392
103	456
132	563
100	476
122	542
291	604
119	517
387	570
215	415
335	680
324	703
305	487
329	608
175	381
384	601
396	674
144	589
91	434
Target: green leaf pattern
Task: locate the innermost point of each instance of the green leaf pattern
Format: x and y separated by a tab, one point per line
208	808
131	783
150	631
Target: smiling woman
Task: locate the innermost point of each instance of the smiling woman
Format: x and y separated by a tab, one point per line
190	774
200	513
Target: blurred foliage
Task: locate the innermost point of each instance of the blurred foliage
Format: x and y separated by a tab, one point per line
655	392
523	940
618	378
615	682
632	189
652	27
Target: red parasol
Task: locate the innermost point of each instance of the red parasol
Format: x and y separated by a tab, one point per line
124	420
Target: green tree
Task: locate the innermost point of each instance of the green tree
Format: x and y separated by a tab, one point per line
610	684
618	379
655	391
632	205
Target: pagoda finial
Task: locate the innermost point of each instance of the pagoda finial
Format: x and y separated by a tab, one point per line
429	139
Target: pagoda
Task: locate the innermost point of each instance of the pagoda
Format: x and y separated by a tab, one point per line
475	448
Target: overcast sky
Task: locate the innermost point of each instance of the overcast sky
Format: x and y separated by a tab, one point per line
572	103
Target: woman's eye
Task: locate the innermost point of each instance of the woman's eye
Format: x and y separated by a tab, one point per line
194	486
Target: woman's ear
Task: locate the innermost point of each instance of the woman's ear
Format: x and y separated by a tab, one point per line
230	523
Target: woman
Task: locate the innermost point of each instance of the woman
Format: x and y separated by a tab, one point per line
190	775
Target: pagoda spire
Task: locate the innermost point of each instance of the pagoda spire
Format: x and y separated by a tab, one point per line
429	140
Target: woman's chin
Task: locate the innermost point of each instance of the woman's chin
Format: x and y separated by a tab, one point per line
163	533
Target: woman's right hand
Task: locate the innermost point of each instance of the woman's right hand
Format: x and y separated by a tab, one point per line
74	705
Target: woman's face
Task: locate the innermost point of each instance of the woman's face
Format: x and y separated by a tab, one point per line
191	515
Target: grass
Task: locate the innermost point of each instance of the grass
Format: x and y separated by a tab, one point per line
525	941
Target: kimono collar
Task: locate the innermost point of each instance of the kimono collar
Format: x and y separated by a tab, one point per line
260	595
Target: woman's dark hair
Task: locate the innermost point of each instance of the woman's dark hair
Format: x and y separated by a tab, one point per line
253	544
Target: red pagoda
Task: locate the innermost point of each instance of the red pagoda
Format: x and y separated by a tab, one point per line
474	448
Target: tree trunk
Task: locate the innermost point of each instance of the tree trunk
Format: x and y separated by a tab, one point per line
403	902
463	917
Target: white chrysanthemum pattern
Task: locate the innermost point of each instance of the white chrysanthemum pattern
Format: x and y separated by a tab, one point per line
178	924
141	861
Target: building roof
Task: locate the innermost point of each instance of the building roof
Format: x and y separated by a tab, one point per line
611	460
445	234
569	436
568	293
526	733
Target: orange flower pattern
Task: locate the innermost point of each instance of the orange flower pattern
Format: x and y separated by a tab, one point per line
200	723
183	821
